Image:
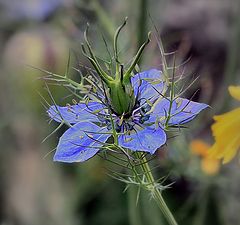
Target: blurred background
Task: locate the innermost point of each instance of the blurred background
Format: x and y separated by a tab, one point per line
205	36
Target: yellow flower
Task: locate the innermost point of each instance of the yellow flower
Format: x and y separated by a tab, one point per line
226	131
209	165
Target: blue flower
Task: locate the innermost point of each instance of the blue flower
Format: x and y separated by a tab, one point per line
142	129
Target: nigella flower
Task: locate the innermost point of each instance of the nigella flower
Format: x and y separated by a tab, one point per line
132	109
143	129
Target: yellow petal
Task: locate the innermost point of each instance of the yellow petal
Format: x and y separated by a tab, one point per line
231	149
227	125
234	92
226	131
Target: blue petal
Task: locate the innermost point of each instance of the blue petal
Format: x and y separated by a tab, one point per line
75	113
148	84
146	140
182	111
80	142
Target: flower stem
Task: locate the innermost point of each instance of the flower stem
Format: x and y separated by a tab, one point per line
157	194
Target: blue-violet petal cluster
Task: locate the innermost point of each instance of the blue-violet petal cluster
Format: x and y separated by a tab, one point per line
92	122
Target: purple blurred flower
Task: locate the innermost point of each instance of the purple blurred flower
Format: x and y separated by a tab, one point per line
30	9
143	129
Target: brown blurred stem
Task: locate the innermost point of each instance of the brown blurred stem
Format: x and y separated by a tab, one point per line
232	64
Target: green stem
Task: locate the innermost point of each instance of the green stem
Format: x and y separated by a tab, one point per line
157	194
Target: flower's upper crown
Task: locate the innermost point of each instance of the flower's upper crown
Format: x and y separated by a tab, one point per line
119	87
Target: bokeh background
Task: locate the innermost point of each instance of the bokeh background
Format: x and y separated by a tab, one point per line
205	36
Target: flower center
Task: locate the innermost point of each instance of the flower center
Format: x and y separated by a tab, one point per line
122	98
126	124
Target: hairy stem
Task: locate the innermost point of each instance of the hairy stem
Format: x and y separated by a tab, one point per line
156	193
